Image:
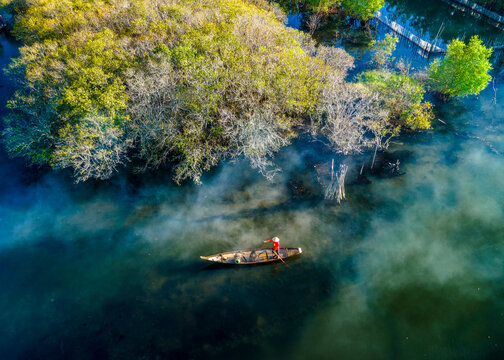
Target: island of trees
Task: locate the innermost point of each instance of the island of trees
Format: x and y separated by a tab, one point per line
102	84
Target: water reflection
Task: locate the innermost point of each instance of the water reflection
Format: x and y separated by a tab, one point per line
427	17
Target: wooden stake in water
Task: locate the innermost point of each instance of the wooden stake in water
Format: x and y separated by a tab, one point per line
332	170
374	156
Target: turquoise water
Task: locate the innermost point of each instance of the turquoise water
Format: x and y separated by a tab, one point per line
408	267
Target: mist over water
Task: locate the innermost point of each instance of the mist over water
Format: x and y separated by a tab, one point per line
408	267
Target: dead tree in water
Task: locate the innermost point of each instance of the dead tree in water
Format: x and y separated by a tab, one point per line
336	188
314	22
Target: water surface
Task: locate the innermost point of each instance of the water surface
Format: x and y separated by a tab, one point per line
409	267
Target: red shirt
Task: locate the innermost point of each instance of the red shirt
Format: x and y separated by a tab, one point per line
276	244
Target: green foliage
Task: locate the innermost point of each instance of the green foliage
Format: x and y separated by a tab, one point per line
93	147
362	9
189	83
402	96
12	6
236	81
382	50
64	82
359	9
464	69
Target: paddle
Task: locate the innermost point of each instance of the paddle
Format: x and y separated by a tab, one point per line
278	254
280	257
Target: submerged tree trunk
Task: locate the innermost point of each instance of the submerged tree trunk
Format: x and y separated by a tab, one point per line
336	188
314	22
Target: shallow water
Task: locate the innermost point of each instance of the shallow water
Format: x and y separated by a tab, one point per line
409	267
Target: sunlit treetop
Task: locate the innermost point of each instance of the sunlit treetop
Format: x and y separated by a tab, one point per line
464	69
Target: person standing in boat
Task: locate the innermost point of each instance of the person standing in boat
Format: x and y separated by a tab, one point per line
276	245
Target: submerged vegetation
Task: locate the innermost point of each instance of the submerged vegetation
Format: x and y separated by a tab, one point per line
188	83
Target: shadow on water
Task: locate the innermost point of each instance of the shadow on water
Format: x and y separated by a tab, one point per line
230	267
290	205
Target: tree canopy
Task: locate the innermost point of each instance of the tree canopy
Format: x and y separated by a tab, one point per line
362	9
382	50
464	69
402	96
185	83
234	81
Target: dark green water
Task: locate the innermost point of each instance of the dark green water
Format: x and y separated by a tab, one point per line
428	15
409	267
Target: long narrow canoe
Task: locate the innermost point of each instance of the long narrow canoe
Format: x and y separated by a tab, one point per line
250	257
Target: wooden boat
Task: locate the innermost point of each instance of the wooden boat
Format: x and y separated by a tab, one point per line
250	257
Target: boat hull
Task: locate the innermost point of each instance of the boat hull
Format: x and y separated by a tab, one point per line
251	257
